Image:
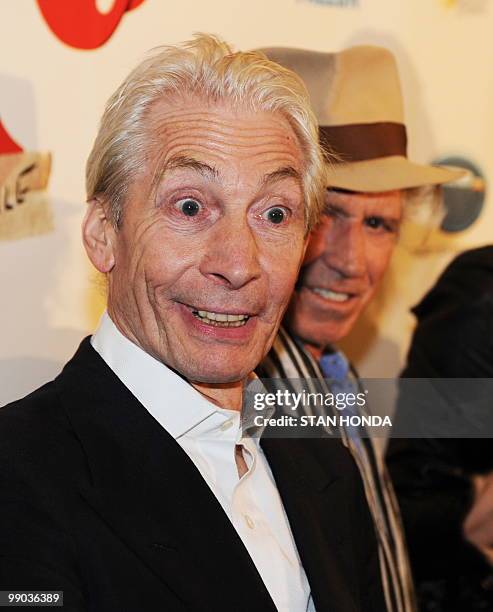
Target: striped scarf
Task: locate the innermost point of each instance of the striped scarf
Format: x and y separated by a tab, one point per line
288	360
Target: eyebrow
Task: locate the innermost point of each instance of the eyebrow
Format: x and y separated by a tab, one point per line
336	209
182	161
281	174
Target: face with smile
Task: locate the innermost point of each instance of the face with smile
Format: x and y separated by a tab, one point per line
348	253
206	258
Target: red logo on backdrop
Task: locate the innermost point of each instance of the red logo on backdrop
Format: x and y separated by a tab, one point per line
80	24
7	143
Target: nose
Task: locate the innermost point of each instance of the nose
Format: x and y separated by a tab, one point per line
231	257
346	251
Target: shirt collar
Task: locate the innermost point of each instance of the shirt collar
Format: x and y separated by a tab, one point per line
170	399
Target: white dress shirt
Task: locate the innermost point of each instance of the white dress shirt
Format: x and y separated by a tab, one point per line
209	435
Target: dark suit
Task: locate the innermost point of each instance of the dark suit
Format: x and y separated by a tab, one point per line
433	476
98	500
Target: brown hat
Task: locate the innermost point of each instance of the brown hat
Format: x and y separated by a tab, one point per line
357	99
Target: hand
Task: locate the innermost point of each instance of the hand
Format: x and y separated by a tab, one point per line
478	524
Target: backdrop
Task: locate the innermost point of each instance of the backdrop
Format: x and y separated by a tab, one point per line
57	70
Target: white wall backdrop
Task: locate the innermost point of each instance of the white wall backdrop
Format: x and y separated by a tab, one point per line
51	97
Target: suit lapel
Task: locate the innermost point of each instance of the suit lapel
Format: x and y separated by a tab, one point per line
147	489
316	495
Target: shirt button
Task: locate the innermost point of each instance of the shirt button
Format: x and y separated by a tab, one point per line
249	522
226	425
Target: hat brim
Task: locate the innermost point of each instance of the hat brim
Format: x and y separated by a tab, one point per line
387	174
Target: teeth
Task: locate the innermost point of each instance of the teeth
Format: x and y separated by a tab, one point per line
331	295
221	319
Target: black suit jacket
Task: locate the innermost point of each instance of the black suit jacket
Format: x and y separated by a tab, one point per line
98	500
433	476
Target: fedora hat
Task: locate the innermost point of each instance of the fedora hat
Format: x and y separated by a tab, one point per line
357	99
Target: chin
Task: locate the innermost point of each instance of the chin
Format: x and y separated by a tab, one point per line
321	334
218	373
218	378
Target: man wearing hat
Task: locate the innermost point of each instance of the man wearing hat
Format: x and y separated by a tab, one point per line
358	102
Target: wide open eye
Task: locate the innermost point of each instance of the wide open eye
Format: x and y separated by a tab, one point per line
189	207
275	215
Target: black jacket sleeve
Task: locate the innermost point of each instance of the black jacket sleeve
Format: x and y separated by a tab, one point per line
432	476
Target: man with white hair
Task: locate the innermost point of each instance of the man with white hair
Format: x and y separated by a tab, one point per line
127	482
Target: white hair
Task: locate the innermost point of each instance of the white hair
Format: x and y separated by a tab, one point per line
207	67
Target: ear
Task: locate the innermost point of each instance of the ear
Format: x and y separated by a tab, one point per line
315	244
305	245
98	235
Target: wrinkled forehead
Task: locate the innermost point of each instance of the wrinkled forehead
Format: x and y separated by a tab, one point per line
173	116
215	137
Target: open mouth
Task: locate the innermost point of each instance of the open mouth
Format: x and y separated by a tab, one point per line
221	319
335	296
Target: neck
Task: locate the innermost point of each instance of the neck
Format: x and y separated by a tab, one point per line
226	395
